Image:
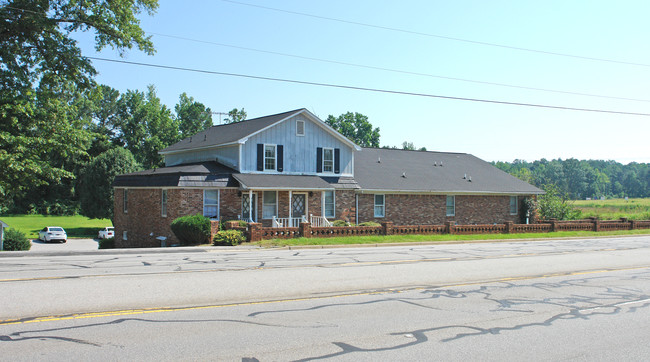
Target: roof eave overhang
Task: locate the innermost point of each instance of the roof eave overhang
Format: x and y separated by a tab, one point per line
163	152
450	192
271	188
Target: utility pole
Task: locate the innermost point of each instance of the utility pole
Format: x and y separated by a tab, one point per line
220	114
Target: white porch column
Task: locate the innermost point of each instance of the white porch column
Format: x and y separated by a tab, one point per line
250	205
290	211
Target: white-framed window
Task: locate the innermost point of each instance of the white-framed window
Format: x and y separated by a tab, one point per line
269	204
300	128
163	203
328	204
269	157
451	205
211	203
124	236
513	205
328	160
380	205
125	201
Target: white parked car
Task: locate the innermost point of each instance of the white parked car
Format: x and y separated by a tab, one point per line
52	233
107	232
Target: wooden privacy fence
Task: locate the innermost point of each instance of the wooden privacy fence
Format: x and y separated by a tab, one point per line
255	231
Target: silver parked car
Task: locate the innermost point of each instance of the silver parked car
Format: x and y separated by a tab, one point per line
52	233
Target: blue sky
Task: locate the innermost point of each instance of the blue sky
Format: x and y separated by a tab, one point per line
216	31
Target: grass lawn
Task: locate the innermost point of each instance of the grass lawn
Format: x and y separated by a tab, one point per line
438	238
75	226
636	209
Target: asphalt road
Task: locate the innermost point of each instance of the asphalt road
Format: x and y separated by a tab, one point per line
543	300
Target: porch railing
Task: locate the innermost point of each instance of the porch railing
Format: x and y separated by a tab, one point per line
287	222
319	221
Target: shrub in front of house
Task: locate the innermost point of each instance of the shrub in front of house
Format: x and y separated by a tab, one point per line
108	243
370	223
15	240
192	230
340	223
229	237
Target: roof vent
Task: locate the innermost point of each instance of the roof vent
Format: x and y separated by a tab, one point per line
190	139
404	174
205	137
440	163
469	179
465	177
435	164
378	159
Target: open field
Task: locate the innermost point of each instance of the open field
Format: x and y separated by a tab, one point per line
380	239
634	209
75	226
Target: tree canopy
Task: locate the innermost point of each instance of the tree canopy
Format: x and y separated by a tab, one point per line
356	127
96	184
45	82
580	179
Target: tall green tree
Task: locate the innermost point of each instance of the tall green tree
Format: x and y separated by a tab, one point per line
193	117
146	126
96	183
42	73
356	127
236	115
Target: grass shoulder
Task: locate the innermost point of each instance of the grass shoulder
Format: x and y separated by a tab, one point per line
76	226
376	239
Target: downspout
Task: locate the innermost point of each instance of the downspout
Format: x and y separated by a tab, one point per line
250	205
290	210
356	208
218	204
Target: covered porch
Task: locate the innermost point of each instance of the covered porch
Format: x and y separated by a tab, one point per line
286	200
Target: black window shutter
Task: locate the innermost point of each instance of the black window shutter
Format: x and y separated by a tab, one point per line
280	157
319	159
337	160
260	157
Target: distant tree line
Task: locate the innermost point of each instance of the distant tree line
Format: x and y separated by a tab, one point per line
581	179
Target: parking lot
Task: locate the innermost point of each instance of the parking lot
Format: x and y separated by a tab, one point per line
71	245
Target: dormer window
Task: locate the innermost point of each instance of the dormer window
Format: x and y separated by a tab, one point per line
269	157
300	128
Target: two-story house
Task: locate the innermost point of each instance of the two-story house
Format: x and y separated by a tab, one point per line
291	167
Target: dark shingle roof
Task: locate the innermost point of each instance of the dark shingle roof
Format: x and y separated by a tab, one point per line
420	171
293	182
228	133
203	174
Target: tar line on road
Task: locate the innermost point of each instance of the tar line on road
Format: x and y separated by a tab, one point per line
384	262
386	291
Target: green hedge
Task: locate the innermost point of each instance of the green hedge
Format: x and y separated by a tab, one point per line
15	240
340	223
108	243
229	237
370	223
192	230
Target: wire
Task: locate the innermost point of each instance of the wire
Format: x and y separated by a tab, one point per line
396	70
375	67
440	36
371	89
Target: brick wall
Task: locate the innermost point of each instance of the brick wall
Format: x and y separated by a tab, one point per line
143	220
403	209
